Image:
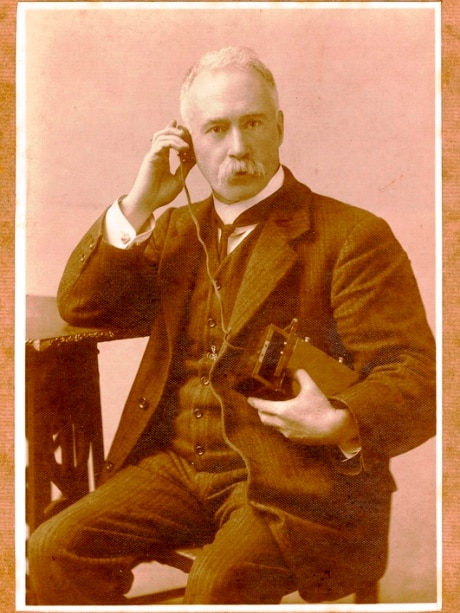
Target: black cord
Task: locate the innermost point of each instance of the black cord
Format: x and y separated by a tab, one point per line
225	330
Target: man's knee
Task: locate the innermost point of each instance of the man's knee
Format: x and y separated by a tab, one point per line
223	580
45	543
209	580
42	543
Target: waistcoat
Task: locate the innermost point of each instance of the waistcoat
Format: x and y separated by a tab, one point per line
198	433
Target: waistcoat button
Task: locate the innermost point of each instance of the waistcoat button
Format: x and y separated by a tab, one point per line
143	404
211	323
197	413
204	380
199	450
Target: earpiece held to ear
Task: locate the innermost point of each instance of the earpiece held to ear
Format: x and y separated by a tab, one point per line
187	157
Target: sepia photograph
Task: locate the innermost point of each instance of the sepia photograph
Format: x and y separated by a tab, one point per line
231	220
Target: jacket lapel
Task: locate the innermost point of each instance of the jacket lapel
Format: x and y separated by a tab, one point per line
272	258
273	255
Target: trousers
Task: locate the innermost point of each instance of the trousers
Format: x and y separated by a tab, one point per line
86	553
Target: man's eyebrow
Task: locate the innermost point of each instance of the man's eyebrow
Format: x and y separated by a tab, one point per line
250	116
217	120
214	120
254	116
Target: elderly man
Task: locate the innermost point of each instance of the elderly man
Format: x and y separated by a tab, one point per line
284	492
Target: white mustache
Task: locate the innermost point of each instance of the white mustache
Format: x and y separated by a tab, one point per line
230	167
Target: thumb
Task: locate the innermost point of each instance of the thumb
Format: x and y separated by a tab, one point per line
303	378
306	383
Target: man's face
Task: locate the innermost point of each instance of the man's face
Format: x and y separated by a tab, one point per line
236	131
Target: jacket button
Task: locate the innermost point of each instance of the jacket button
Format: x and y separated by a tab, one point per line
143	404
109	466
199	450
204	380
198	413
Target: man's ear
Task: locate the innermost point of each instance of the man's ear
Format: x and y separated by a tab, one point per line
280	121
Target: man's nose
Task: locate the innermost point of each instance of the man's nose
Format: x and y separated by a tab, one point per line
237	146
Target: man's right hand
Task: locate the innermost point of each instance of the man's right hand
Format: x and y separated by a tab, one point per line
155	185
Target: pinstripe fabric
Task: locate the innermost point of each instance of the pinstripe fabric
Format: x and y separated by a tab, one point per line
86	553
243	565
341	272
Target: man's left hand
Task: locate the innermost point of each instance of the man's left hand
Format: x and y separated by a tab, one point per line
308	418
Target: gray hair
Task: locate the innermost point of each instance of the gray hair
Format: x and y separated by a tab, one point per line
240	57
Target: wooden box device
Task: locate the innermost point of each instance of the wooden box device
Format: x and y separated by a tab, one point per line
283	352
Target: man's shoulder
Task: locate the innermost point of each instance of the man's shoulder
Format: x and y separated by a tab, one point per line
328	209
339	224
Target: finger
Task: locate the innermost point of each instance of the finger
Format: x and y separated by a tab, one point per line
168	134
267	407
171	129
174	129
269	420
162	142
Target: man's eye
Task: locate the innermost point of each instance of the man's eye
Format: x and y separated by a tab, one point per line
254	123
216	130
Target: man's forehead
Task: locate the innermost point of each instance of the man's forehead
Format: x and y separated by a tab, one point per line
229	87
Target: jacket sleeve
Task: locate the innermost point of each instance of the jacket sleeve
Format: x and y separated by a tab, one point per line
381	321
106	286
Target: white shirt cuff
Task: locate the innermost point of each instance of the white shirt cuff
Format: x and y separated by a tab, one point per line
118	232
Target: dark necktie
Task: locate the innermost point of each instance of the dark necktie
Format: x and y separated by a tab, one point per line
252	216
226	230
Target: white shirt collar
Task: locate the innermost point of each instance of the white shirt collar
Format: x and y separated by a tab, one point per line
229	212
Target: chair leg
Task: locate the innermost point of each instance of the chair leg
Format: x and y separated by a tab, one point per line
368	593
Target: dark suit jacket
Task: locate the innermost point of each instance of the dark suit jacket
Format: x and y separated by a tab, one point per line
340	270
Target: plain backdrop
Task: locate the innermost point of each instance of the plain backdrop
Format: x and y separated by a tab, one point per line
357	87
